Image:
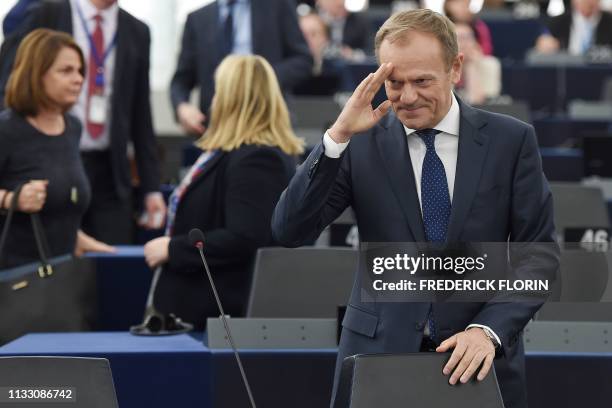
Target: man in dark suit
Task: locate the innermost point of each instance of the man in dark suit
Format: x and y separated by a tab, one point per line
114	108
264	27
578	29
349	32
436	170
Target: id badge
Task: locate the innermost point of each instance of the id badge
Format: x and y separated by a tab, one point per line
97	109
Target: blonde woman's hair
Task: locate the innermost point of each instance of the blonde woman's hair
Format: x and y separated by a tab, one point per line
424	21
248	108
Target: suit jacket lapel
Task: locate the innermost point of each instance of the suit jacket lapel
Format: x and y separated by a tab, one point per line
122	59
258	25
393	147
207	170
208	40
470	159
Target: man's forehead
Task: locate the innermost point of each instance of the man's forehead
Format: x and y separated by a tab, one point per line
424	43
411	53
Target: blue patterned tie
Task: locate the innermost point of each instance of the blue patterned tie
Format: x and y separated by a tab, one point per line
435	201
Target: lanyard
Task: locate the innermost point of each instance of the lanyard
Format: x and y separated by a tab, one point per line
100	60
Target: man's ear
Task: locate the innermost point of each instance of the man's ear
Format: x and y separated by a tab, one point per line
456	67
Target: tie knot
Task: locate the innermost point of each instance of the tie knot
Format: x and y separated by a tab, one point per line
428	136
98	18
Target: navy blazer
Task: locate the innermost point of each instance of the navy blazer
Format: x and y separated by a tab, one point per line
231	201
500	193
130	104
276	36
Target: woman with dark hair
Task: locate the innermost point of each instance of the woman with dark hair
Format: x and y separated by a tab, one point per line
39	149
247	160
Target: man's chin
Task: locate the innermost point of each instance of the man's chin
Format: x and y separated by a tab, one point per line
412	122
413	119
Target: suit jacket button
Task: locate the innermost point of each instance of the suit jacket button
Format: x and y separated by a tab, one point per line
419	326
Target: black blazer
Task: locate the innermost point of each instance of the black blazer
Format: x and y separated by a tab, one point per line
130	109
500	194
232	203
276	36
559	28
356	33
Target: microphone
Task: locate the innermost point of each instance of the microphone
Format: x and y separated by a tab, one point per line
196	238
155	323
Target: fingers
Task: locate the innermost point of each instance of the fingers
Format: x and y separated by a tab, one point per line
486	367
368	88
377	80
149	254
470	352
471	368
382	110
191	118
461	365
32	196
103	247
455	358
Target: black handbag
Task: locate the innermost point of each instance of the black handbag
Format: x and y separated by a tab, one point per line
52	295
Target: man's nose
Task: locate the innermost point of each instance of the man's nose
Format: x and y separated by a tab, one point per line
409	95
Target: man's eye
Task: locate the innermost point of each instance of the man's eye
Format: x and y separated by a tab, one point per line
421	81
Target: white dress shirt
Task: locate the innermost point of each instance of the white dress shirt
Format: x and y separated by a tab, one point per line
447	146
243	38
582	33
109	28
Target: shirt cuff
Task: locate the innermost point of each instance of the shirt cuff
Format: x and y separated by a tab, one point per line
482	326
333	150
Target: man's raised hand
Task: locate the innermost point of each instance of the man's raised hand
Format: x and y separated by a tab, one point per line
358	114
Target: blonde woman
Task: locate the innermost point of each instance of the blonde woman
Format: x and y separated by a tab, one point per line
230	192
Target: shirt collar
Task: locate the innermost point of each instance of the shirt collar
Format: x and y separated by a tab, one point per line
582	20
449	123
224	3
90	11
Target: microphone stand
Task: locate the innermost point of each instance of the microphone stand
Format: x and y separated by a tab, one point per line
200	245
155	323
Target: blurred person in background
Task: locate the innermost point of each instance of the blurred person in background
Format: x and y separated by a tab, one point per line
481	74
39	148
248	157
581	27
458	11
263	27
114	108
326	71
16	15
349	32
316	34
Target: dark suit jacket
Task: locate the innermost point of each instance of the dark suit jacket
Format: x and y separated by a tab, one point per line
131	108
276	37
500	192
232	203
356	33
559	28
